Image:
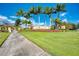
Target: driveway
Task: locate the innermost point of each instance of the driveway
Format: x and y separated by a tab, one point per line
17	45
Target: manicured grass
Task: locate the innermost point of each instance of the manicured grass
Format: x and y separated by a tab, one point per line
56	43
3	37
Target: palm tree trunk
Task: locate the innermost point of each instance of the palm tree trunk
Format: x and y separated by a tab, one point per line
58	15
44	21
50	21
39	21
32	24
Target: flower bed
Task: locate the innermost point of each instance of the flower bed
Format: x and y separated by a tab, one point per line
47	30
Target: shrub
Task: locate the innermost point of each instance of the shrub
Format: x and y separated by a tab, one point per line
52	27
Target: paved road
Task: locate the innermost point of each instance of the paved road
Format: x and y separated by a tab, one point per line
17	45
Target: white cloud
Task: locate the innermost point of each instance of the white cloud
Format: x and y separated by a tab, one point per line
13	17
63	14
3	17
65	20
11	21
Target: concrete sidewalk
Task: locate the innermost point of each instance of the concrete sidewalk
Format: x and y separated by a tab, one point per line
17	45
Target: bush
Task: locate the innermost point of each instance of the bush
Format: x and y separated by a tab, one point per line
52	27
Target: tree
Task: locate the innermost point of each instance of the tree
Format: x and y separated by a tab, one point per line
57	23
25	15
71	26
60	8
49	11
77	25
29	22
39	10
24	22
28	16
36	11
74	26
20	12
32	10
17	23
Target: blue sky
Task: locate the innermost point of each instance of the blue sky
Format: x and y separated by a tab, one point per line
8	12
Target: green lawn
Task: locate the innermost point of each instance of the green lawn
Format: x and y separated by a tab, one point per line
56	43
3	37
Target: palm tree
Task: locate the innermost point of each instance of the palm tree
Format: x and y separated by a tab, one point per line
20	12
57	23
36	11
28	16
49	11
30	24
25	15
17	23
59	8
31	11
24	22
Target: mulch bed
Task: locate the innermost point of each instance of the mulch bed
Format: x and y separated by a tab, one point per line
46	30
3	31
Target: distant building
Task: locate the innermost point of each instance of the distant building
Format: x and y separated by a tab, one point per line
6	28
41	27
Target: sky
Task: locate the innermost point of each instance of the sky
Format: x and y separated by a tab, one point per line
8	12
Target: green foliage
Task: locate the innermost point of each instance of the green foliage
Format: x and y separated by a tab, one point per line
48	10
60	8
57	20
39	10
78	25
74	26
29	22
32	10
17	23
35	10
3	28
71	26
20	12
52	27
24	22
27	15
